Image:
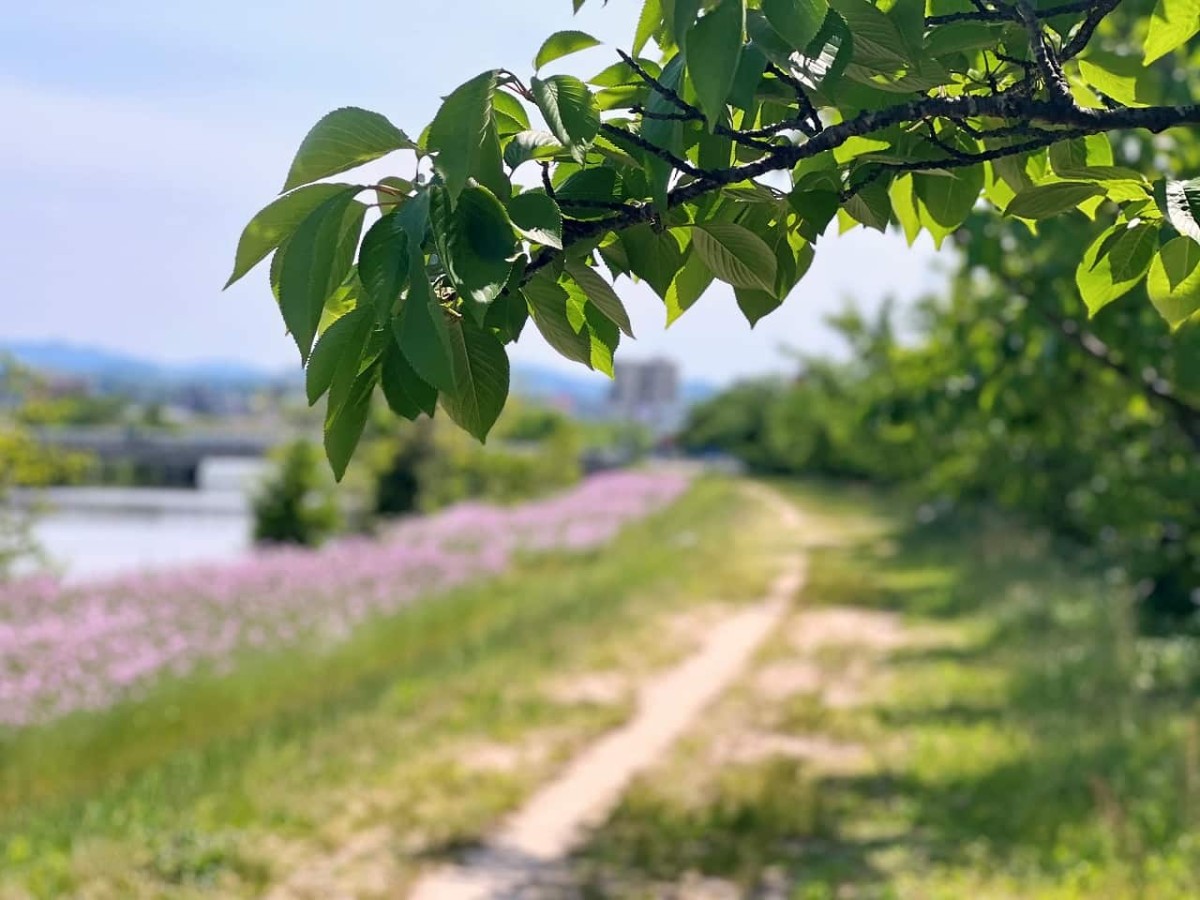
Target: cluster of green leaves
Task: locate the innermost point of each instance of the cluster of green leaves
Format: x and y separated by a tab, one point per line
723	156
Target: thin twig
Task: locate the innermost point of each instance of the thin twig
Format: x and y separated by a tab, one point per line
807	110
677	162
1087	28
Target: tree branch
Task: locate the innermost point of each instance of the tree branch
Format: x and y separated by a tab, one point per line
687	112
1087	28
809	120
1005	13
1025	111
620	134
1047	62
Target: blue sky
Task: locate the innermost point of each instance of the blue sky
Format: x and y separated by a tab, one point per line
140	136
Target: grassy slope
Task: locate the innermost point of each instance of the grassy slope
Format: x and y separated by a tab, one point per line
219	786
1019	740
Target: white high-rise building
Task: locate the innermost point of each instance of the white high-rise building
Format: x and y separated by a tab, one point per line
647	391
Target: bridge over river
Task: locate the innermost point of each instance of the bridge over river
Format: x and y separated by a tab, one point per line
177	459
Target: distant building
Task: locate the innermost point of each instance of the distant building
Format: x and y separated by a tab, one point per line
647	391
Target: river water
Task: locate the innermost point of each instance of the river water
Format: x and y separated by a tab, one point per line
91	532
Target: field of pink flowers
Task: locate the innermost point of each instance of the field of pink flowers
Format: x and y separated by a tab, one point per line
84	647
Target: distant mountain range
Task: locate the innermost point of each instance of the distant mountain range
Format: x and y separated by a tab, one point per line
113	371
111	367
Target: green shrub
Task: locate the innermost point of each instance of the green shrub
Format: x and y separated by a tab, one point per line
297	504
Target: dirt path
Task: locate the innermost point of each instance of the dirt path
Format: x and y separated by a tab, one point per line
522	858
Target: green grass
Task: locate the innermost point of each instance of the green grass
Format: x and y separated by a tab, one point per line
218	786
1024	740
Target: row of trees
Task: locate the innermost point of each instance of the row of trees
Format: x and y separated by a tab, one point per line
1009	395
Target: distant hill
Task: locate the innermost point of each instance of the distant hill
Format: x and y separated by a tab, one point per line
110	370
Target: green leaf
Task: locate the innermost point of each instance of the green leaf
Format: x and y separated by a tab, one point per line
756	304
1172	24
878	43
548	306
563	43
1123	78
857	146
275	223
414	215
344	426
736	256
510	114
527	145
751	66
406	392
794	256
577	303
383	263
421	330
958	36
909	18
620	74
603	337
600	293
388	200
1179	201
476	242
1116	261
481	371
1045	200
537	217
822	64
949	196
688	286
1081	154
665	133
598	185
767	42
714	46
314	263
902	193
570	110
816	209
343	139
796	21
653	256
678	17
871	206
460	129
365	348
1174	280
340	346
648	23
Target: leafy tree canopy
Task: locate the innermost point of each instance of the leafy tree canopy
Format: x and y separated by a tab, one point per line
724	154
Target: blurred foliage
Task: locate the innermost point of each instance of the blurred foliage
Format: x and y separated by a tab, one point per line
24	463
76	408
297	504
1008	395
34	400
428	464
